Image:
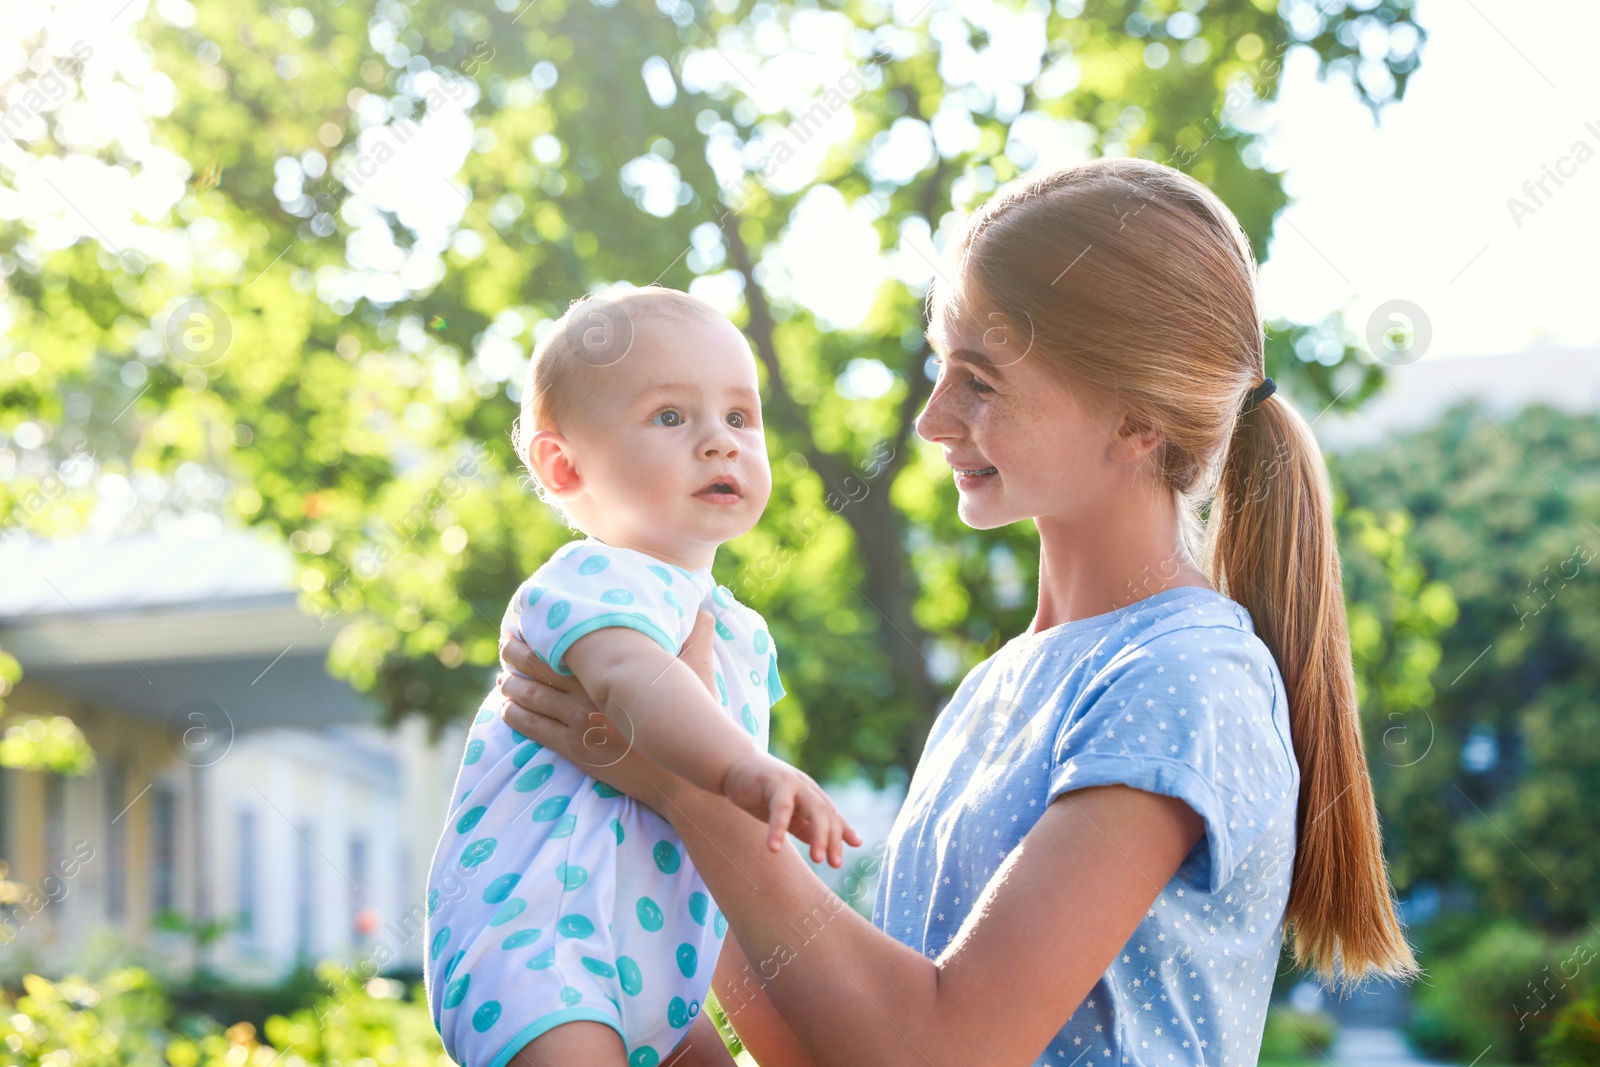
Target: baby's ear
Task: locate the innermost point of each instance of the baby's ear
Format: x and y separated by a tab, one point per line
550	456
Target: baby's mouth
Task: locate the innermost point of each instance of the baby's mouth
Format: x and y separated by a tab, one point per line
722	490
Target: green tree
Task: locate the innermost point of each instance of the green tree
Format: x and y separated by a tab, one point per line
1508	516
352	368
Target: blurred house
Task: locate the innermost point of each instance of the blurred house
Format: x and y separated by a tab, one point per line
235	781
1499	386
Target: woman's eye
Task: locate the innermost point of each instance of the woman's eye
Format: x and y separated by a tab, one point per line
736	419
668	418
979	387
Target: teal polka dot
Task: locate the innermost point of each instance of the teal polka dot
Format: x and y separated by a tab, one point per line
470	819
644	1056
722	687
486	1016
667	858
477	851
593	565
521	939
534	777
649	913
526	753
440	940
574	926
755	678
630	976
719	925
474	751
617	596
485	713
570	996
723	631
455	961
688	959
508	911
721	595
557	614
699	907
598	967
616	828
761	642
564	826
603	790
542	960
533	595
433	899
552	809
571	875
677	1013
660	572
500	888
456	991
672	600
749	719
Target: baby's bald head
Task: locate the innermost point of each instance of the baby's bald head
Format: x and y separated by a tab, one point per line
597	335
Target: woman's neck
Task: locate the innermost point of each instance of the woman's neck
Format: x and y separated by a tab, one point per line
1117	558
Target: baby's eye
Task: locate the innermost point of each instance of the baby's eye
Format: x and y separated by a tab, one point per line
736	419
669	417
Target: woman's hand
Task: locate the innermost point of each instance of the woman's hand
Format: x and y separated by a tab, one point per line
555	711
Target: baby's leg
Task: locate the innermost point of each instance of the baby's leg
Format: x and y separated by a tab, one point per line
576	1043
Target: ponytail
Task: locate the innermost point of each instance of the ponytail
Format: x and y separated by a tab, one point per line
1273	551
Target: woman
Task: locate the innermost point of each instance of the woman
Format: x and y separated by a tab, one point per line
1094	861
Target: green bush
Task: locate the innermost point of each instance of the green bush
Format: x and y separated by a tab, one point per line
1291	1036
1501	990
127	1020
1574	1038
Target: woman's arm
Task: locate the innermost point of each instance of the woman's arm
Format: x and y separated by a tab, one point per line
1040	935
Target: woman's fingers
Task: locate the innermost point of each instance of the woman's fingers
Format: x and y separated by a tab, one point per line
516	653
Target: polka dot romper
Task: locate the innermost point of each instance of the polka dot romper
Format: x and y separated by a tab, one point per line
552	897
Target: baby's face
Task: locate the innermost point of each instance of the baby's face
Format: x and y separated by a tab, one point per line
668	443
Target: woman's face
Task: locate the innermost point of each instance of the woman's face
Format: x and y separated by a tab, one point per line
1021	441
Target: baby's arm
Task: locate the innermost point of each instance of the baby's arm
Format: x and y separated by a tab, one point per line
661	707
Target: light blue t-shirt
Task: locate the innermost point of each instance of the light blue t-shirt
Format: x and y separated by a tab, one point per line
1174	695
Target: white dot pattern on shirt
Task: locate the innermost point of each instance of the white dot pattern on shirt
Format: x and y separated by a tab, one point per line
1189	690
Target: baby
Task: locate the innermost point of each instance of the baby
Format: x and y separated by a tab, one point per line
553	899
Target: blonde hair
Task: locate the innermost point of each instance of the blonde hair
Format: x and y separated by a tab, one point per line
1135	280
596	331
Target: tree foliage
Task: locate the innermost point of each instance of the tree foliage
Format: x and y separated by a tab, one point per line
1508	752
349	375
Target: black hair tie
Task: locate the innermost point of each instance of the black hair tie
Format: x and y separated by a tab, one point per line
1254	398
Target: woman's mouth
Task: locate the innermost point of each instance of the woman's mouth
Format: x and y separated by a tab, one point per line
973	477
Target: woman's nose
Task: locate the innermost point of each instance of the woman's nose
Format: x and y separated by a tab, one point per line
935	420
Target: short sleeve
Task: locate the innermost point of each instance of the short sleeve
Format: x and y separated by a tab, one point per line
1186	714
593	587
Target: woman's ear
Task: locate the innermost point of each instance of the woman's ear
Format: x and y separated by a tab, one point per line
1137	437
550	456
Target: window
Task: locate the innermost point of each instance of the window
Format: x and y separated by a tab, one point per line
305	893
163	850
116	790
358	889
246	886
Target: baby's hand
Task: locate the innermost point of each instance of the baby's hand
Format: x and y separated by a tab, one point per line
789	800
